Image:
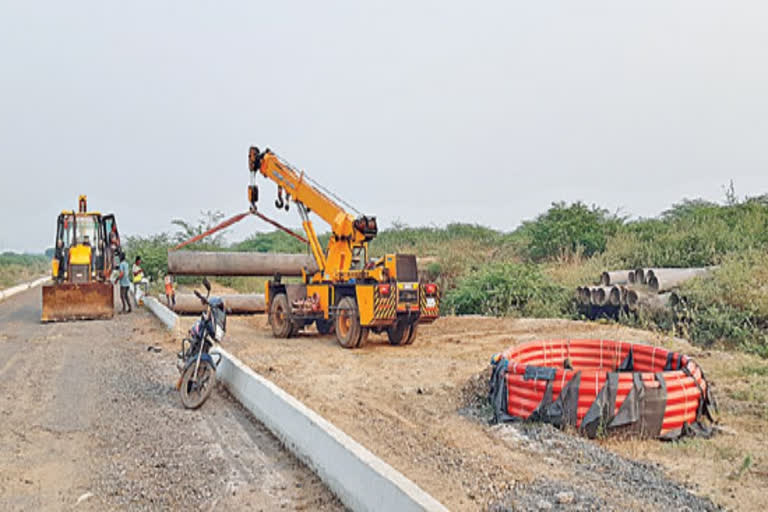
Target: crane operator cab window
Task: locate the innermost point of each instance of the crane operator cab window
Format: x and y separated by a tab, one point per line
359	257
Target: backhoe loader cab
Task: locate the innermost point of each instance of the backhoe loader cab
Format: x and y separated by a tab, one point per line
81	266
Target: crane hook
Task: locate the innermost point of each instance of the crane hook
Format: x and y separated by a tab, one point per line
279	203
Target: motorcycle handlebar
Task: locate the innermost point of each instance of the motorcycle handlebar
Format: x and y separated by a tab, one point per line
200	296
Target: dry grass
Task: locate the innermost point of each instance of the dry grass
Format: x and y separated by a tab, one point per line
403	404
11	275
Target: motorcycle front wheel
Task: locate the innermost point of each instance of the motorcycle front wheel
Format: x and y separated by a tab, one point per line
194	392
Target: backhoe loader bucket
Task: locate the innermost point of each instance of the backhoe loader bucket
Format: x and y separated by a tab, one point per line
83	301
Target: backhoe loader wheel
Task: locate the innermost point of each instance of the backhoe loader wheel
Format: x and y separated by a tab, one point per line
411	334
348	329
279	317
324	326
398	332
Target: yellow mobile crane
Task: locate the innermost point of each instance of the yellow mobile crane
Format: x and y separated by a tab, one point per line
349	293
87	244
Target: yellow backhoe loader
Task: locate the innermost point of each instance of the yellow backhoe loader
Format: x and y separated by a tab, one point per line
87	246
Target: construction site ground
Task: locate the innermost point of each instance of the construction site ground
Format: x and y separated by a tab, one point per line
422	408
90	420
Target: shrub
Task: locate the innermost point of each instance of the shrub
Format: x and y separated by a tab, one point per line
507	289
564	229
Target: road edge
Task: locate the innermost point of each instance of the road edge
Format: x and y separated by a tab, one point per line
13	290
360	479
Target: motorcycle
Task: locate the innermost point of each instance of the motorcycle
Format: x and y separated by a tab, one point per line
196	364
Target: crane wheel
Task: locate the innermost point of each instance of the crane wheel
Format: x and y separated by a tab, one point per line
348	329
363	337
324	326
282	327
398	333
411	334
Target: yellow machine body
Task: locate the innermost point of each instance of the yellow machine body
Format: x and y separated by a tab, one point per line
80	269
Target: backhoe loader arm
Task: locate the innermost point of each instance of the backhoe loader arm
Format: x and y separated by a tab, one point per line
347	232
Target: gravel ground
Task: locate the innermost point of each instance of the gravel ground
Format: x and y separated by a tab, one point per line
423	409
593	476
91	420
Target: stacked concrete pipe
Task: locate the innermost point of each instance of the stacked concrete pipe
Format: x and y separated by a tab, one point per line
665	279
246	304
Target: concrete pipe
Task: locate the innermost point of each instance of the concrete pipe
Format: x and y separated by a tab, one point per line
188	304
193	263
664	279
605	296
614	277
640	277
598	297
614	296
654	302
631	277
632	300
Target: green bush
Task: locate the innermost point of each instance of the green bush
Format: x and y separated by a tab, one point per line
508	289
566	229
731	306
153	251
275	241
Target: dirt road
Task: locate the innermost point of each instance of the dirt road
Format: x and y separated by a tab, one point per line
423	409
89	420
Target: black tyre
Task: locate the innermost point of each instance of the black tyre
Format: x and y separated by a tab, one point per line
398	332
347	324
411	334
194	392
279	317
364	332
324	326
295	328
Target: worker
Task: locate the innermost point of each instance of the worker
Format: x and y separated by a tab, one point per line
113	254
114	238
61	257
139	281
170	294
125	284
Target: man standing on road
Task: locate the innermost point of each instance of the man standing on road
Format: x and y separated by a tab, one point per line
125	283
170	295
139	281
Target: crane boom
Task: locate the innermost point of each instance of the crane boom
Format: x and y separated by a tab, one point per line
349	235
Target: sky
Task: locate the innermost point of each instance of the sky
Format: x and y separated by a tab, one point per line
419	112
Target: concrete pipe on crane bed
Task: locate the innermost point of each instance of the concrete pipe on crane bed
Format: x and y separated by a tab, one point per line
194	263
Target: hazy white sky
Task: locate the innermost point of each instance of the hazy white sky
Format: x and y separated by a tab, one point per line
426	112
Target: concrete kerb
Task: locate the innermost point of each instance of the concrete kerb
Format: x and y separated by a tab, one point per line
165	315
360	479
10	292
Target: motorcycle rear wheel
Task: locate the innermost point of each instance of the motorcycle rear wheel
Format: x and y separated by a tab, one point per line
195	393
